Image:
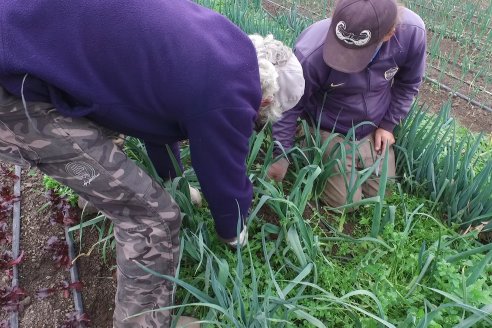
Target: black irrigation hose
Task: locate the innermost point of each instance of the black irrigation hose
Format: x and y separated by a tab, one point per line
74	275
14	317
460	95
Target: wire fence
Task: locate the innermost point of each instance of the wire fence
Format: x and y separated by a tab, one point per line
459	41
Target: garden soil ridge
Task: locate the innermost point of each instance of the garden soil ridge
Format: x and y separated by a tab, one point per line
38	270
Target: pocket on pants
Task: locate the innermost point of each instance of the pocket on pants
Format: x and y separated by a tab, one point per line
151	247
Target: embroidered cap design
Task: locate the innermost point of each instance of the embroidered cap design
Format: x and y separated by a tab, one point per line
350	38
389	74
82	171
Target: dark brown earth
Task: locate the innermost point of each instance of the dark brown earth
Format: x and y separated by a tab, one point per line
38	270
468	115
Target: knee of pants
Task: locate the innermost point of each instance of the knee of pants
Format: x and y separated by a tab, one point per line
138	289
371	187
336	194
152	247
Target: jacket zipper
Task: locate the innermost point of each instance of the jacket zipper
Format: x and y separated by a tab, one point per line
368	72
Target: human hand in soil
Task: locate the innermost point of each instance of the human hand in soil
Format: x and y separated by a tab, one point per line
277	170
382	139
196	197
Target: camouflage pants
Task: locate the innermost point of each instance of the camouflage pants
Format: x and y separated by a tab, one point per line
81	155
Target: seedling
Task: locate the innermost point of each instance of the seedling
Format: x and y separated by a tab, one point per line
62	212
64	287
59	252
75	320
11	298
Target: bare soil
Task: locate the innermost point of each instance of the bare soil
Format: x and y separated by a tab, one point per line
475	119
38	270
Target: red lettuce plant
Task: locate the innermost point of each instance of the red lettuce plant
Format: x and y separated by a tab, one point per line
5	235
11	298
64	287
7	261
75	320
61	210
7	200
59	252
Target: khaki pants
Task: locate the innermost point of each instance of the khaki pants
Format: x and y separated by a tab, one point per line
338	186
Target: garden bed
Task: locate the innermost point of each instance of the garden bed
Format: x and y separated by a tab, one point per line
38	271
357	263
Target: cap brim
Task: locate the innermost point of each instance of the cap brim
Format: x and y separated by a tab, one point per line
291	83
344	59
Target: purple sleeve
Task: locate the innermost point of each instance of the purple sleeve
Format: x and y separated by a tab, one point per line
407	81
162	161
284	129
219	145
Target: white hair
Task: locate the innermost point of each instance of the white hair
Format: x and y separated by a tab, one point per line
271	53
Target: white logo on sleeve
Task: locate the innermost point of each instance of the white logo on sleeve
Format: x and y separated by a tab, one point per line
350	38
82	171
389	74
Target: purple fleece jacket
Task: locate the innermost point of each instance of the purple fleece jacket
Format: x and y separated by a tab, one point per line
382	93
160	70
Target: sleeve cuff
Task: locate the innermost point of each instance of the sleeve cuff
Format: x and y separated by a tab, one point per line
387	125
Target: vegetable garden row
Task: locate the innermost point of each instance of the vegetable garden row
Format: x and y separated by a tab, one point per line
416	255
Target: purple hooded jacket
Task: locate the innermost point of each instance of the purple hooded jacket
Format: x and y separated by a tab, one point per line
382	93
159	70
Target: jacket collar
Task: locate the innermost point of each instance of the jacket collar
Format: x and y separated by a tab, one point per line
390	48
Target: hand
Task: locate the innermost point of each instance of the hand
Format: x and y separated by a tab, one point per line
277	170
243	238
382	139
119	140
196	197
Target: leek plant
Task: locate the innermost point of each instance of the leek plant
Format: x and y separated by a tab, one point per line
452	169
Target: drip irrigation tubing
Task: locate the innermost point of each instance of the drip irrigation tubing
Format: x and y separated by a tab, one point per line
443	59
16	226
14	316
457	94
482	89
74	275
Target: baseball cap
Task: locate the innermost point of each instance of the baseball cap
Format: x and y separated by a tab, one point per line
291	83
357	28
